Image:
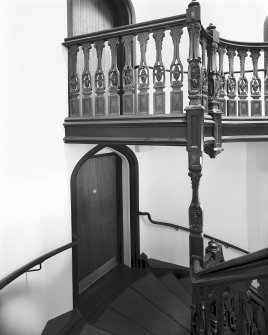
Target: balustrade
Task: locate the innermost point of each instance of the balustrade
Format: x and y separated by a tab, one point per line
126	90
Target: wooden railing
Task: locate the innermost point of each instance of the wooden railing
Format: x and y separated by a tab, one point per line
238	81
104	80
224	302
38	261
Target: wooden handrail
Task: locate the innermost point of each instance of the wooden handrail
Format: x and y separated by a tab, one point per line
132	29
243	45
17	273
177	227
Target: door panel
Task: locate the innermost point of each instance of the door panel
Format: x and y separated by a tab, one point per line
97	216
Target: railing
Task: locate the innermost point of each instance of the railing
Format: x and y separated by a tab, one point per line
38	261
223	300
209	237
103	85
243	96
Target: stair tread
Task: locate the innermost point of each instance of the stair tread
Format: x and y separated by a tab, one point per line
98	297
173	284
91	330
137	308
154	291
61	323
187	285
119	324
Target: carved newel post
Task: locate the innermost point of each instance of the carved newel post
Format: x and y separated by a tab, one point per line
213	92
195	125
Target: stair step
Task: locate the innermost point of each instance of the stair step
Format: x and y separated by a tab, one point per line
119	324
105	290
187	285
91	330
62	323
144	313
173	285
154	291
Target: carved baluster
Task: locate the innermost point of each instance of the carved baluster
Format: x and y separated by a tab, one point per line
86	83
128	77
231	85
74	83
198	310
176	74
222	92
159	74
113	99
213	91
242	85
264	288
194	60
255	85
99	81
143	76
204	75
266	82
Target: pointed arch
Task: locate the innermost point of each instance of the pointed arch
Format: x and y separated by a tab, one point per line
129	155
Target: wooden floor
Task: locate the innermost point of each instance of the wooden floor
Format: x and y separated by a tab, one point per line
135	302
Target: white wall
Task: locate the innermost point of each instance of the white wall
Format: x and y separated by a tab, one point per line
35	203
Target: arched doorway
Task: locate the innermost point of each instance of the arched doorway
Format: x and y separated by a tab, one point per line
100	185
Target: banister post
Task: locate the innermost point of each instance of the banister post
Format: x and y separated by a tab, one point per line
213	92
195	128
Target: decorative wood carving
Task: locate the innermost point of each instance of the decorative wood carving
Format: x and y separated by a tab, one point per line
86	83
213	254
159	74
204	75
74	83
242	85
128	76
266	82
99	81
194	68
114	79
176	73
195	210
231	85
255	85
221	76
143	76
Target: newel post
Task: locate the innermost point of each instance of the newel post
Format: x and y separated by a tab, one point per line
195	126
213	91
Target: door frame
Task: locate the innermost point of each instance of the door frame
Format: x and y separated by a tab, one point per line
133	207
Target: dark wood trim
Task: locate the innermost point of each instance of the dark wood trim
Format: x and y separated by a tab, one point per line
17	273
134	206
132	29
119	210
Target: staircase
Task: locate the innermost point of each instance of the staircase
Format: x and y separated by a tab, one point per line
133	302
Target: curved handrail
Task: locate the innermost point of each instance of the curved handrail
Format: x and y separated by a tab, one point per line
17	273
243	45
177	227
131	29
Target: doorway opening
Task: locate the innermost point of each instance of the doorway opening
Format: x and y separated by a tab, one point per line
104	192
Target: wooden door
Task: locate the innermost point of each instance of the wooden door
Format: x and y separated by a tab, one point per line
98	185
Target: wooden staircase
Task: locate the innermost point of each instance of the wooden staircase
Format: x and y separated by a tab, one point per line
134	302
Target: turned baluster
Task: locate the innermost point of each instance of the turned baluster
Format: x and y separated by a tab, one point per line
231	85
128	77
255	85
221	76
266	82
264	288
159	74
176	74
86	83
143	76
204	75
242	85
113	77
99	81
74	83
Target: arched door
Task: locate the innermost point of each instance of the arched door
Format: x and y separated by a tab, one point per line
99	217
